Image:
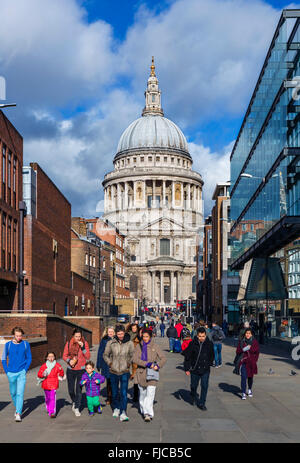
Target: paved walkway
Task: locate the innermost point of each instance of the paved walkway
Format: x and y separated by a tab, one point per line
272	415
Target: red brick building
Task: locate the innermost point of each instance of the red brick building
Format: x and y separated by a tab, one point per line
11	153
47	244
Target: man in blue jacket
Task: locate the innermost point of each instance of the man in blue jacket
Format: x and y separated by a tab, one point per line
16	360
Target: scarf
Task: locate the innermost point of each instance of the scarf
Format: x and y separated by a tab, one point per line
248	341
50	366
144	355
74	348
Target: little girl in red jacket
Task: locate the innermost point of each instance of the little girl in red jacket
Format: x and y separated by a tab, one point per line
49	375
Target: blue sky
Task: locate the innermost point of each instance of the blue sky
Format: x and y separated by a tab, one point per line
78	70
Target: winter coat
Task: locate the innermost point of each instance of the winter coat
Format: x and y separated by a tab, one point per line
249	358
172	332
118	355
217	335
91	387
179	328
51	381
136	342
101	364
154	354
83	356
196	361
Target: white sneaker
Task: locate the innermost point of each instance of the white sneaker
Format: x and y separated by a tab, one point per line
73	407
124	417
244	396
77	412
116	413
250	393
18	417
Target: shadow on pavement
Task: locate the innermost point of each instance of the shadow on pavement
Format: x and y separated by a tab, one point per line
230	388
183	394
3	405
31	404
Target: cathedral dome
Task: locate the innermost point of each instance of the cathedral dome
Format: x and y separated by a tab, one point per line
152	131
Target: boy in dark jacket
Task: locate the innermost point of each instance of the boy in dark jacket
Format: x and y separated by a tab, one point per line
172	335
198	358
92	381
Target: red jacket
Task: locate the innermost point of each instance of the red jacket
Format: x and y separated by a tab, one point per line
179	328
185	344
51	381
83	356
249	358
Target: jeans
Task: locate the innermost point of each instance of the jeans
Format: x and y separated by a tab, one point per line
162	333
218	356
121	403
204	378
17	382
244	380
74	378
171	343
147	395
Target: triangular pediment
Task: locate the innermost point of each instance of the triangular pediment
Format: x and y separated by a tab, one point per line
163	223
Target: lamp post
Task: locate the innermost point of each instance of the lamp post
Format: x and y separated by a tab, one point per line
22	214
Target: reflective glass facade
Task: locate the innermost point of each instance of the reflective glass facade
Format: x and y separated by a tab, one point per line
265	161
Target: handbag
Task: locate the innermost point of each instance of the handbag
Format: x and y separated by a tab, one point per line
152	375
236	362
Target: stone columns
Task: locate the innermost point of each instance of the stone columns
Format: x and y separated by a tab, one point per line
164	193
173	194
119	198
153	287
172	282
153	192
182	195
162	273
126	196
188	204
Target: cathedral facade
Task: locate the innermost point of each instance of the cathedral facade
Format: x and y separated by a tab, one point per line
155	199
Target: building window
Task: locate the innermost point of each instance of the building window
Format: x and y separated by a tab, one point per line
86	259
15	182
3	264
4	172
9	244
164	247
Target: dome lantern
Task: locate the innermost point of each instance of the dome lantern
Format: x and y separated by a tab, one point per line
153	95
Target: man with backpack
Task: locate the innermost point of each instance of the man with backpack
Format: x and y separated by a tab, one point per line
16	360
172	335
217	337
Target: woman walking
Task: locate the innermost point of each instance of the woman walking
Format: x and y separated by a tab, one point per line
133	331
108	335
76	353
148	356
248	349
118	355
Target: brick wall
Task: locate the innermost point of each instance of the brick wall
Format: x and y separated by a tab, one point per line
54	332
94	324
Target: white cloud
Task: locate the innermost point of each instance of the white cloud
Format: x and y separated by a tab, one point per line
214	168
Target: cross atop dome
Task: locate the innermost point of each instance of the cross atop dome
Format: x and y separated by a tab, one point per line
153	95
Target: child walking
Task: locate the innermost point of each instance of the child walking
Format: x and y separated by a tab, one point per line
92	381
49	375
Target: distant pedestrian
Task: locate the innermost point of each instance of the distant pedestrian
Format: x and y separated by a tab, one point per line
102	366
217	337
92	380
162	329
76	353
135	338
225	327
269	328
179	328
187	339
198	358
150	359
172	335
248	349
19	354
118	355
49	375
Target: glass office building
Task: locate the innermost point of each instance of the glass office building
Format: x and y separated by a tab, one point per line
265	165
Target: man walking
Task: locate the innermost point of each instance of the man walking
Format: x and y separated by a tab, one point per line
217	337
19	354
172	335
162	329
198	358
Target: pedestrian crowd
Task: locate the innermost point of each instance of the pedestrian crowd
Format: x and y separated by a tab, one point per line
128	355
